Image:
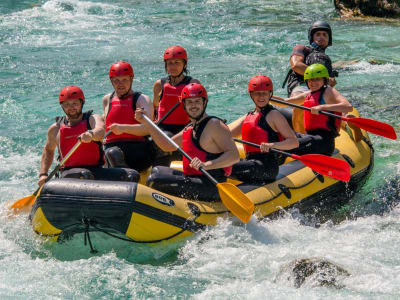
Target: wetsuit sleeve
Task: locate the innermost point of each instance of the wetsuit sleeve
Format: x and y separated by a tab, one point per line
300	50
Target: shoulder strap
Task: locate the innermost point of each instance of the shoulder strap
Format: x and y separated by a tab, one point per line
109	102
186	80
272	134
163	82
135	98
86	116
200	128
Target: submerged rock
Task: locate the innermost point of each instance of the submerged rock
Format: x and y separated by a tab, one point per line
313	272
365	8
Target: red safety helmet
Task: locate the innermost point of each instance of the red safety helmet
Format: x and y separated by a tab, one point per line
260	83
71	92
194	90
175	52
121	68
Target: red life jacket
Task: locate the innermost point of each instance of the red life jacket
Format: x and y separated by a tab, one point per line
122	111
314	122
256	129
191	145
87	154
169	97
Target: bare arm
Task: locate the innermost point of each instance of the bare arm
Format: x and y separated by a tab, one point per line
156	93
48	152
298	99
236	126
222	139
297	64
136	129
279	124
98	129
334	102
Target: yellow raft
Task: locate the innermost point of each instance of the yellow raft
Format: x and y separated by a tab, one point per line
141	214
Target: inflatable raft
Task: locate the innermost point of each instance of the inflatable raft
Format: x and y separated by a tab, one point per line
138	213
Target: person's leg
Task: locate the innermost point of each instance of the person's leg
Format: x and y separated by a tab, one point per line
78	173
115	157
139	156
256	171
318	143
174	182
116	174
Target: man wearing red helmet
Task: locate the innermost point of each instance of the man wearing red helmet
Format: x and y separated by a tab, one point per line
265	126
207	139
87	160
166	93
128	144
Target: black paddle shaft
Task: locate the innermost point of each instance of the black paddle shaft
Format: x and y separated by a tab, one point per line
305	108
258	146
208	175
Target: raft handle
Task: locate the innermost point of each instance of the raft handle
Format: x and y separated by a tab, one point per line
285	190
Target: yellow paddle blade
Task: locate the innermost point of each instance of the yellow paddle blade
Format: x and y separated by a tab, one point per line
236	201
21	203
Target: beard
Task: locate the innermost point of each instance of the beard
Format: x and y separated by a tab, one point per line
74	115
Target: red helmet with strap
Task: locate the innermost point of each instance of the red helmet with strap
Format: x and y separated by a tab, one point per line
121	68
260	83
71	92
175	52
194	90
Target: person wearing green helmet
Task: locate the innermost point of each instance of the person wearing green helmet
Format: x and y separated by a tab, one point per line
321	130
320	38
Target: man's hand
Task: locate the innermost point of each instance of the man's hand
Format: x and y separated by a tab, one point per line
42	180
116	129
139	114
197	164
264	147
86	137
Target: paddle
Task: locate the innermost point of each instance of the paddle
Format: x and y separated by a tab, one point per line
168	113
29	200
373	126
322	164
231	196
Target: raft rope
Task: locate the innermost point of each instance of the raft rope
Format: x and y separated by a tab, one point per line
86	238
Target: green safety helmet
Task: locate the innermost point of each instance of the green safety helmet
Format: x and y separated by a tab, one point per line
316	71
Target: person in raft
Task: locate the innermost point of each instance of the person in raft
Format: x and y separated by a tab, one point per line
127	145
206	139
265	126
87	160
321	130
166	93
320	38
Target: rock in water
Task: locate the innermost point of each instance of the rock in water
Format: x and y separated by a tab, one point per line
368	8
312	272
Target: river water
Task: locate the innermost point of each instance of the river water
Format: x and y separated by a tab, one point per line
46	45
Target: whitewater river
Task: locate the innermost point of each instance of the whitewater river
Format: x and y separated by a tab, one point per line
46	45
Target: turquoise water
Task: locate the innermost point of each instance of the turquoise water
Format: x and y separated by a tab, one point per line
46	45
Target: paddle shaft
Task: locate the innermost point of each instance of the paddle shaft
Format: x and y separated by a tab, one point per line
168	113
208	175
62	162
306	108
258	146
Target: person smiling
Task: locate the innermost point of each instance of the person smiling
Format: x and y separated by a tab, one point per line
166	93
321	129
206	139
87	160
265	126
127	145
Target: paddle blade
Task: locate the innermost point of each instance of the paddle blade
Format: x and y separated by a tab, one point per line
373	126
236	201
326	165
24	202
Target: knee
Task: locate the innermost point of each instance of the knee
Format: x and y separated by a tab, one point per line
132	175
115	157
79	174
